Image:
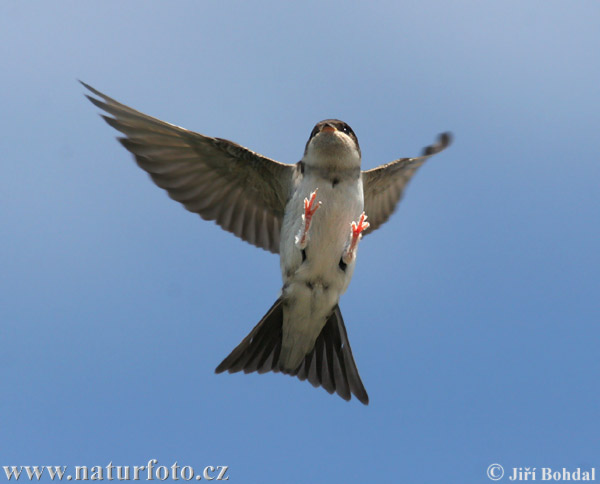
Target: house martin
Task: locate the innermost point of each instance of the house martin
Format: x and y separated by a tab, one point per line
313	213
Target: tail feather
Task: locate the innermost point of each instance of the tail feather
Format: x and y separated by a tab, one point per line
265	347
329	364
268	329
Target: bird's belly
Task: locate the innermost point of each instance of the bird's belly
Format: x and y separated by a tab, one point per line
313	278
329	232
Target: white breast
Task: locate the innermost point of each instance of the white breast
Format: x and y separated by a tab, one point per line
329	231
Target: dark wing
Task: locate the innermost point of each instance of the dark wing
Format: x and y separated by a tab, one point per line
383	186
242	191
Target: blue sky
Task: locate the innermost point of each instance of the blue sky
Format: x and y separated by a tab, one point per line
473	313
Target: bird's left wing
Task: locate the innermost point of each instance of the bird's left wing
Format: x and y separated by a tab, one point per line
384	185
242	191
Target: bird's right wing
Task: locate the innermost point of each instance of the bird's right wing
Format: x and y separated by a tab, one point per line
384	186
242	191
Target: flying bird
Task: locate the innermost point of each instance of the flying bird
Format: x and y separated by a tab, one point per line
313	213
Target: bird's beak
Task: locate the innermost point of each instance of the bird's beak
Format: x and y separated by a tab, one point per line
328	129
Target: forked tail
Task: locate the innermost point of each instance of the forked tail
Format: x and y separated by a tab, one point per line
329	364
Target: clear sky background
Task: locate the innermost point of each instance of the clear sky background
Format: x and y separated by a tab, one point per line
473	313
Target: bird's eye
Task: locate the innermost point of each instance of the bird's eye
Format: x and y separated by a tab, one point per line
346	129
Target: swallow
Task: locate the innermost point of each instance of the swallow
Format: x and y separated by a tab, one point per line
313	213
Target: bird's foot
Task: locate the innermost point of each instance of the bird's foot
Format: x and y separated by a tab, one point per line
356	230
310	207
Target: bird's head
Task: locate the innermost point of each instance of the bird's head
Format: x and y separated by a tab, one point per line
332	142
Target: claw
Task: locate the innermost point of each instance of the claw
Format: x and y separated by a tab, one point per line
361	226
356	230
309	210
309	207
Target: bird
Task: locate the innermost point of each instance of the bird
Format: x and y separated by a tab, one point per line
313	213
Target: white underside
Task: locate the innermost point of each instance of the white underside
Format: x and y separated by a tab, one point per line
312	288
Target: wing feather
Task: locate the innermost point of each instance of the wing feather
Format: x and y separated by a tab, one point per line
384	185
242	191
